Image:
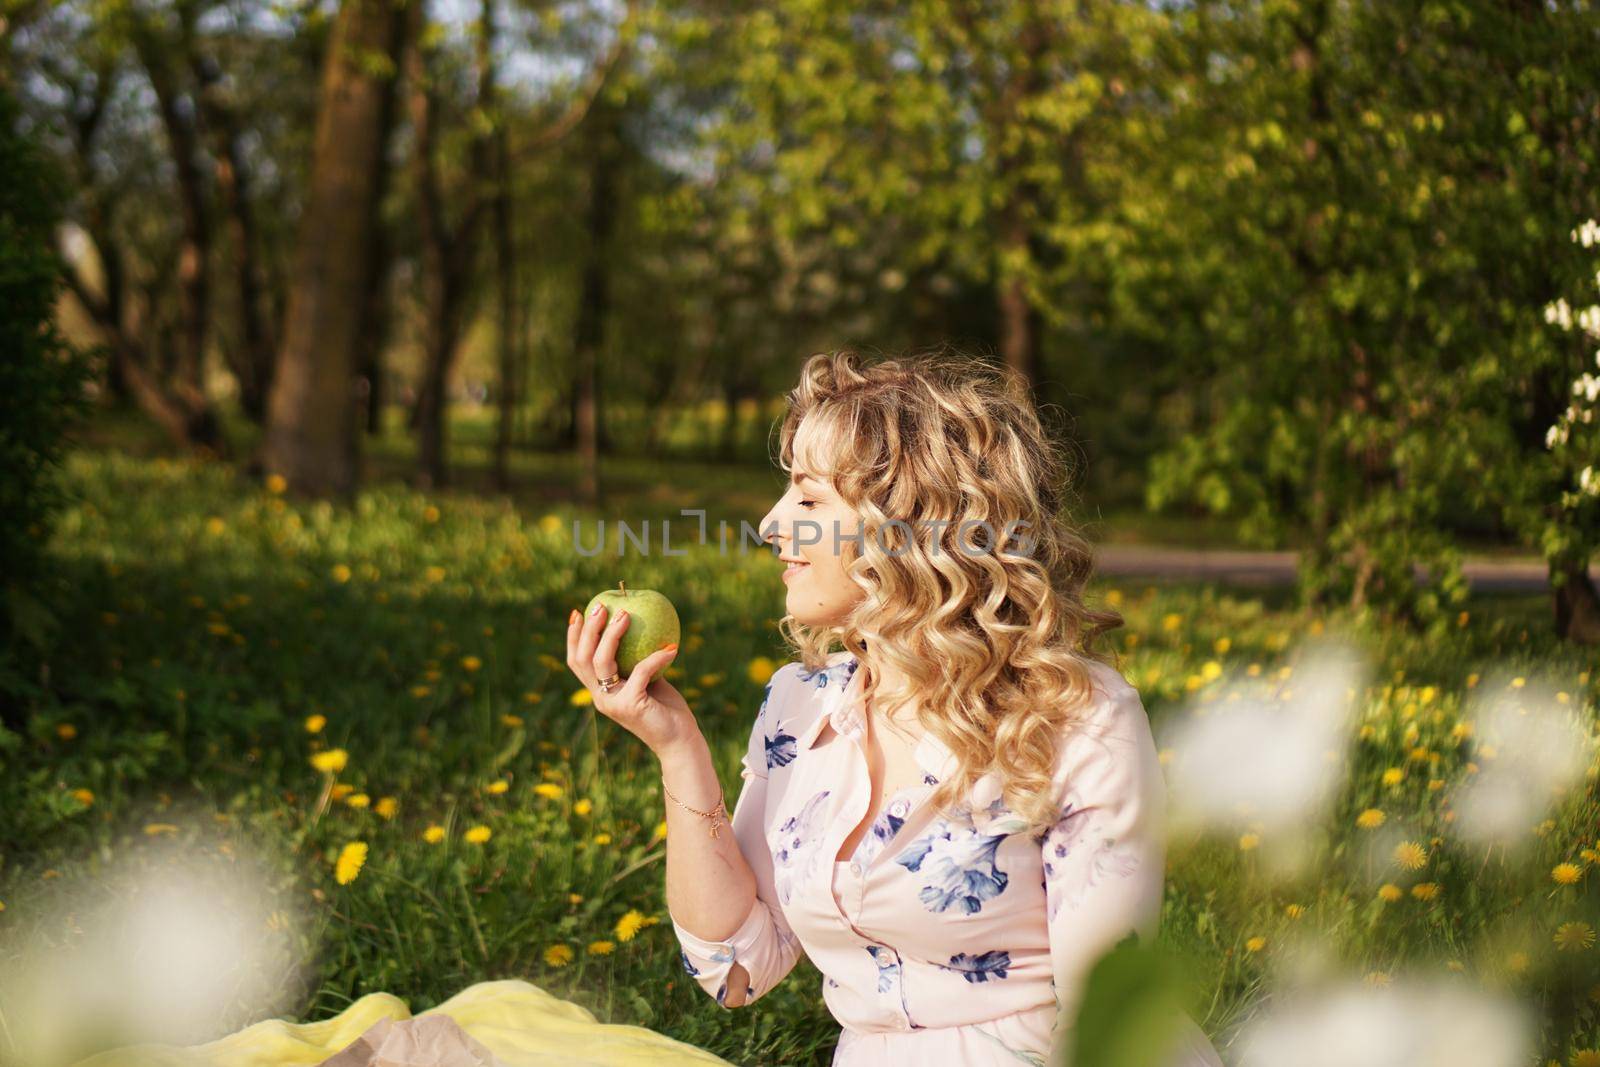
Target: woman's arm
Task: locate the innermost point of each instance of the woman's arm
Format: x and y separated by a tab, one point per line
736	943
719	889
1105	856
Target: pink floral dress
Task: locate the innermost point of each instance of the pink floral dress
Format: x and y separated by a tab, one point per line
944	939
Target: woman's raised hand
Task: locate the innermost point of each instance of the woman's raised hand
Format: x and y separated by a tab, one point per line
648	707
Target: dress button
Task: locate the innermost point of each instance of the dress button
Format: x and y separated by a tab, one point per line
855	869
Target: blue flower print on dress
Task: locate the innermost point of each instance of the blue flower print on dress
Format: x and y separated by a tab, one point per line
958	868
1108	859
687	965
885	826
823	676
794	851
781	750
888	966
982	967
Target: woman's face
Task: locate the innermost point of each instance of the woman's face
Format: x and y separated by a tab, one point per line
801	526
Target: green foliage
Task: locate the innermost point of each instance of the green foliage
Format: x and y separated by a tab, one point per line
1131	1008
41	387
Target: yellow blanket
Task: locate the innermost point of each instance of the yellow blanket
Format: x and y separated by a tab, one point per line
520	1023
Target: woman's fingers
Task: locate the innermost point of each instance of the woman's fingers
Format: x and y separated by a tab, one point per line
645	673
588	636
605	653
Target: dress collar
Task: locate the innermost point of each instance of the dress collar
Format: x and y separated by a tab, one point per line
839	686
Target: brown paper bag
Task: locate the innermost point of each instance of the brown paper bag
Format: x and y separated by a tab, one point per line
431	1041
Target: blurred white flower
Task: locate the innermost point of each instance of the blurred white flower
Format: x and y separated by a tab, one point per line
1403	1024
1262	761
1531	748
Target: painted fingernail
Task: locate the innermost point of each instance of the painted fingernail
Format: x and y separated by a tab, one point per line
670	648
574	617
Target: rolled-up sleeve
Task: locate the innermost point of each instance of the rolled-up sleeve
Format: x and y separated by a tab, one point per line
764	944
1105	855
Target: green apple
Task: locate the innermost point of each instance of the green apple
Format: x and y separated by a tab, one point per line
652	622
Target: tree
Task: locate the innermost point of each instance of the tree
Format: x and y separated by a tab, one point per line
312	435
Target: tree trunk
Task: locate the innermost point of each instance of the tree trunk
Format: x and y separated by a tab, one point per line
446	251
509	334
593	302
1577	604
312	437
252	363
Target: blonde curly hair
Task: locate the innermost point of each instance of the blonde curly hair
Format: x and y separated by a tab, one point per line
994	642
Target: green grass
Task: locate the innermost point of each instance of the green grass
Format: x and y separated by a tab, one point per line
202	620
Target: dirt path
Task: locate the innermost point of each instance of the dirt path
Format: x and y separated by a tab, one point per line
1277	568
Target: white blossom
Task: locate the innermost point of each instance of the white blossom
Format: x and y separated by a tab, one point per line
1559	314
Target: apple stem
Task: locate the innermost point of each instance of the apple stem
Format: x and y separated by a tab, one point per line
622	585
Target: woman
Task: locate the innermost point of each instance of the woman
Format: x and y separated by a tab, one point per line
958	812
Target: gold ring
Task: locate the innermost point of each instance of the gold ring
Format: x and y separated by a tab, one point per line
608	684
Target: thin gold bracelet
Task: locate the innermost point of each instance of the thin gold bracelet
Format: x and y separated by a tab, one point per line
716	814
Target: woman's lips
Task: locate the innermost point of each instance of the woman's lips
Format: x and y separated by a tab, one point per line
793	569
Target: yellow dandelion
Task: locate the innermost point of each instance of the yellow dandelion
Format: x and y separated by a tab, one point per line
478	835
341	790
66	731
1425	890
420	691
660	832
1171	621
602	948
581	698
1248	842
583	807
340	573
1211	671
1393	776
574	899
1389	892
315	723
351	859
471	663
531	697
1410	855
511	720
558	955
84	797
387	807
760	670
549	790
549	523
1517	962
2	905
433	834
430	514
277	484
156	829
332	761
1371	819
602	839
434	574
359	800
1574	936
1566	873
1587	1057
629	925
1255	944
1518	682
496	787
1294	911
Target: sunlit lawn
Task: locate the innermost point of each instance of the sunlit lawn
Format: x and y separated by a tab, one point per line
215	638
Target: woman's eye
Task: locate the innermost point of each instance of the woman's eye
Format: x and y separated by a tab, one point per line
808	504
